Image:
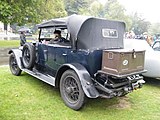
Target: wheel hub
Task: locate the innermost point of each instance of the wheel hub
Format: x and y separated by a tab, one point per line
70	90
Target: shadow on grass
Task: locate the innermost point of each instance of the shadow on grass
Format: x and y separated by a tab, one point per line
36	81
152	81
26	97
98	104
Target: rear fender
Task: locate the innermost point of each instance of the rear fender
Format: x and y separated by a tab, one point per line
18	55
84	76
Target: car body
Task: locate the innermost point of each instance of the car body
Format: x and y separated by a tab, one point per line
75	65
152	63
156	45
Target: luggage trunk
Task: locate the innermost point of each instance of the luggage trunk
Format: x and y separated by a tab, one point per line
122	61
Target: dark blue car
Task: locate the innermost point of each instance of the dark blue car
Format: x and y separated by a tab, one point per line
84	63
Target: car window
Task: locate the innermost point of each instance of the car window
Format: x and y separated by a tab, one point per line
137	44
65	34
156	45
109	33
48	33
47	36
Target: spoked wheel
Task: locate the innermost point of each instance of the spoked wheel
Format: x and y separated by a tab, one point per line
28	55
71	90
14	66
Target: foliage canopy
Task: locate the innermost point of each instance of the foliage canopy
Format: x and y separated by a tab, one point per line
34	11
30	11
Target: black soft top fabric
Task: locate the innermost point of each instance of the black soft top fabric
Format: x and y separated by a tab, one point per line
87	31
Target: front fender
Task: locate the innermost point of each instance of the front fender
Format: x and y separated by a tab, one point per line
18	55
84	77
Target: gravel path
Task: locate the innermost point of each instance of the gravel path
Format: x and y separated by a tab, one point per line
4	56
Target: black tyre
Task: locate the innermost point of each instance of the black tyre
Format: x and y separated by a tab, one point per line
71	90
28	55
15	70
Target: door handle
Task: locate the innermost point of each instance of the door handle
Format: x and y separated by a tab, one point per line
45	54
45	50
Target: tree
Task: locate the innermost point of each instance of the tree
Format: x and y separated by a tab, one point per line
95	9
25	11
139	25
5	12
154	29
76	6
115	11
51	9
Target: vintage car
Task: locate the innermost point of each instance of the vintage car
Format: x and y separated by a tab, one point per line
91	62
152	58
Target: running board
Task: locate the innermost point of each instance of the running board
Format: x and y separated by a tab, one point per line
46	78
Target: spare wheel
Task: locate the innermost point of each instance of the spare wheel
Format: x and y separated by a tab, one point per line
28	55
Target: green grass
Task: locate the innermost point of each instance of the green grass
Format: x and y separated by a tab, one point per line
10	43
27	98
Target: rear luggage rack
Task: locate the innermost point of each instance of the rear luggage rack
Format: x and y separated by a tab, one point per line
124	75
122	63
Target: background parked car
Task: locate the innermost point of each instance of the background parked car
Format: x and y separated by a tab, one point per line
152	58
156	45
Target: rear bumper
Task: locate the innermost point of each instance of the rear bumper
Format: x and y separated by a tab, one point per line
123	75
110	87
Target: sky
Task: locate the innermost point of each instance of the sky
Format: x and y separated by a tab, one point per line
148	9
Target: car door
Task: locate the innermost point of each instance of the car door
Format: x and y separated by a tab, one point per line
57	55
42	54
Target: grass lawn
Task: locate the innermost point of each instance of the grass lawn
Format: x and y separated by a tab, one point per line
10	43
27	98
